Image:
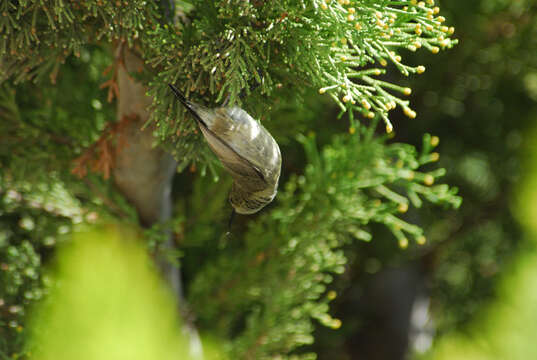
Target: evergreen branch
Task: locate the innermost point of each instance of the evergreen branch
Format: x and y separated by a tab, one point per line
355	181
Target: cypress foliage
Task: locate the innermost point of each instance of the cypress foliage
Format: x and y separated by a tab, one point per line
261	288
290	255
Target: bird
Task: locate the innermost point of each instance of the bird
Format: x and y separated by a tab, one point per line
247	151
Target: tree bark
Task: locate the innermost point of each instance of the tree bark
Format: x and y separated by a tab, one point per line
143	173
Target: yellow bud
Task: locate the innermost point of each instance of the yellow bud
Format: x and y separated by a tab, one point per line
420	69
428	180
451	30
411	48
351	10
335	324
409	112
421	4
365	104
430	2
357	26
441	19
370	115
389	128
346	98
341	2
383	62
435	156
407	91
444	43
429	27
435	140
343	58
322	91
377	72
352	130
421	240
347	2
417	44
378	14
435	49
398	58
444	29
402	208
350	17
403	243
323	6
436	10
331	295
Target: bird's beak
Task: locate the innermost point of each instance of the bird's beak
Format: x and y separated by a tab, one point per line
179	95
231	217
187	104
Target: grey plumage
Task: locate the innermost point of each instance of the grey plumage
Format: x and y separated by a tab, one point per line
246	149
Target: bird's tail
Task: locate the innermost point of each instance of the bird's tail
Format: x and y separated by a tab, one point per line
188	105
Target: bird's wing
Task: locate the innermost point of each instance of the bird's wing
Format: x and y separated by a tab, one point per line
233	161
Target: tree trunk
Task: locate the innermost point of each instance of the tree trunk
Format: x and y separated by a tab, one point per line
143	173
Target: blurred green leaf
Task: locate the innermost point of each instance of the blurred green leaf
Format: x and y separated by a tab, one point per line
108	302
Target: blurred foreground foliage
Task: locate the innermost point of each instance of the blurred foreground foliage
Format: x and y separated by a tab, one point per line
105	285
31	225
503	329
107	301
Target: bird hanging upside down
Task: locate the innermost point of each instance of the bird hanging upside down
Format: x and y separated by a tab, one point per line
246	149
